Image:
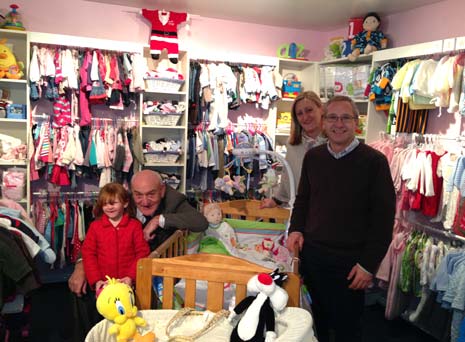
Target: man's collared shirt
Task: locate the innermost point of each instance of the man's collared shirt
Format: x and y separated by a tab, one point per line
344	152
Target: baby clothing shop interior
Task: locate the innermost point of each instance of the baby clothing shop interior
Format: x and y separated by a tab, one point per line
94	93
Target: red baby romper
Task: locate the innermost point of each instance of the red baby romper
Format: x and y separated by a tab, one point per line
164	32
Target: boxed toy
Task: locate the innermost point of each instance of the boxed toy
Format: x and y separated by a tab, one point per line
283	122
291	86
16	111
351	80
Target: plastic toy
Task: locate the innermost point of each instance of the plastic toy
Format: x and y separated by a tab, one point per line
13	19
291	50
370	39
268	182
258	321
116	303
9	67
334	49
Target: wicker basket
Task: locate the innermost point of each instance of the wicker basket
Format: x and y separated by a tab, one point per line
162	84
162	119
161	156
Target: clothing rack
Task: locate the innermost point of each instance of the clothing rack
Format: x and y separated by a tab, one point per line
230	63
436	231
44	193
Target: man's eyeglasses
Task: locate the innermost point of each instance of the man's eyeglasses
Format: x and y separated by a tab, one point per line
344	118
152	195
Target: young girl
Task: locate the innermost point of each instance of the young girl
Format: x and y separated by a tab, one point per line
115	240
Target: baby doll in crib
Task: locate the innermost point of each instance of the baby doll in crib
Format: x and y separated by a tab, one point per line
220	236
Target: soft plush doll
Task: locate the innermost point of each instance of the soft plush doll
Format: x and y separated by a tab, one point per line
116	303
219	232
268	182
9	67
225	184
259	316
370	39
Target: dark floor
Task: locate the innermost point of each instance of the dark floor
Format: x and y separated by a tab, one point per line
51	318
378	329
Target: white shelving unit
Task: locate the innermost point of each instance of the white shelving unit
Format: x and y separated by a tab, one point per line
362	60
307	73
177	132
19	94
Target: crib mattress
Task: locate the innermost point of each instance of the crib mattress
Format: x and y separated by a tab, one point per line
292	325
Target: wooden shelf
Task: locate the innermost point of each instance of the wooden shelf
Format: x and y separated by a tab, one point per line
163	127
165	92
13	162
12	33
9	80
297	64
362	59
164	164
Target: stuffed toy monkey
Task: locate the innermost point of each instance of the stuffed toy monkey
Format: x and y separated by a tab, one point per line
259	316
164	33
370	39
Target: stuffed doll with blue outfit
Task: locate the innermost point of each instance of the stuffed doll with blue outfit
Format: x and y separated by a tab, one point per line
370	39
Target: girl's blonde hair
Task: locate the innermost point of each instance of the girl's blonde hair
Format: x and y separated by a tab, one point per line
110	193
295	138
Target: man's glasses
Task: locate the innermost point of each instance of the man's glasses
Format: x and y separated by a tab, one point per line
152	195
331	118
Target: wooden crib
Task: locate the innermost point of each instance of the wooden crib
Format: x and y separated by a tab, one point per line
176	245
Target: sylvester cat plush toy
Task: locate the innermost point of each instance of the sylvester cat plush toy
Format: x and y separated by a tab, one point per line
258	322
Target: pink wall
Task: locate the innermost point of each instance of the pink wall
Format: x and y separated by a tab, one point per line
81	18
88	19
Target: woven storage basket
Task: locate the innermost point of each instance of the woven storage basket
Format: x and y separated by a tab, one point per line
162	84
162	156
162	119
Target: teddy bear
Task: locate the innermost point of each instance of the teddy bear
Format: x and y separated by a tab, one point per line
370	39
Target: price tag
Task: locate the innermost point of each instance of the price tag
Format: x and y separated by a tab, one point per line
460	43
448	45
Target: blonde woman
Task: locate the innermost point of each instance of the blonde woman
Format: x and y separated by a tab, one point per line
306	113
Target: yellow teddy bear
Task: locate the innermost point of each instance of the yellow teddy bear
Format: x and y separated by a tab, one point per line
9	67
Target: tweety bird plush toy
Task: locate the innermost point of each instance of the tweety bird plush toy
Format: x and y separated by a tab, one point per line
116	303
